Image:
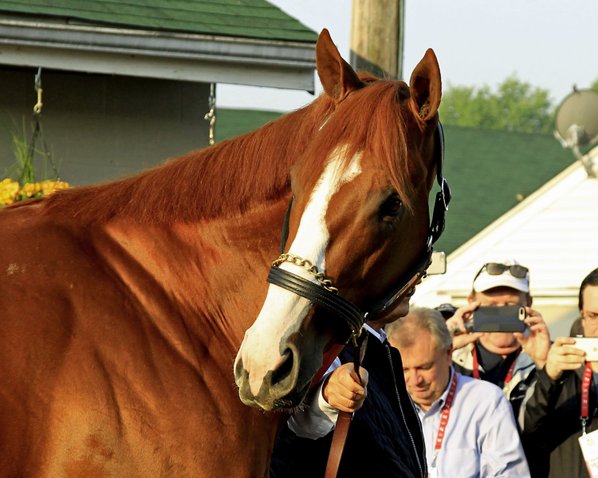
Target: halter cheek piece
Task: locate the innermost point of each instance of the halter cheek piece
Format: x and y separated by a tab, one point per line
323	293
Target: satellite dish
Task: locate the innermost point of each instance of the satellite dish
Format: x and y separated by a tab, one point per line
577	119
577	124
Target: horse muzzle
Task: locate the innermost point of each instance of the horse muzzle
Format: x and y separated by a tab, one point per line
281	387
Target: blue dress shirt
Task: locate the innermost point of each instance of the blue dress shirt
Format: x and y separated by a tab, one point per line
481	438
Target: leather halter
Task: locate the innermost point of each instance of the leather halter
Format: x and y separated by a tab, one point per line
326	295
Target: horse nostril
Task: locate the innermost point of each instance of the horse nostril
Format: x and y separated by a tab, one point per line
238	369
285	368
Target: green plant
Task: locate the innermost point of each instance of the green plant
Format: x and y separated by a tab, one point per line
24	184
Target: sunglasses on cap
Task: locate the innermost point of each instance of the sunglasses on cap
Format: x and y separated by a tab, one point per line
496	269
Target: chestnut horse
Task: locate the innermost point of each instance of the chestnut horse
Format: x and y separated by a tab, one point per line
123	305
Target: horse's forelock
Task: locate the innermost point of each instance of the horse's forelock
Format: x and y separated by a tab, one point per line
373	121
390	142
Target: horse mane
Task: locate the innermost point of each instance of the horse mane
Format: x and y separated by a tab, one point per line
226	178
229	177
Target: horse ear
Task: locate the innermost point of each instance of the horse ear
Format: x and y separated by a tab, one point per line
426	87
336	75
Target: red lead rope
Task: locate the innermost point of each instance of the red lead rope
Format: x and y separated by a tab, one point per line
446	411
329	356
585	396
343	421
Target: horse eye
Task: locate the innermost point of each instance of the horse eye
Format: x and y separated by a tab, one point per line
391	208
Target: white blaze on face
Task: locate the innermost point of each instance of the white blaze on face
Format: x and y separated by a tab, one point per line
283	311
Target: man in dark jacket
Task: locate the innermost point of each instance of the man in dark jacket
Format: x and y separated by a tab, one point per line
384	439
553	417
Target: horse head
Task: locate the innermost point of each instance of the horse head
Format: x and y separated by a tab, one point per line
358	227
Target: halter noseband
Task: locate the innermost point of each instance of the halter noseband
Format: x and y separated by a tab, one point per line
325	294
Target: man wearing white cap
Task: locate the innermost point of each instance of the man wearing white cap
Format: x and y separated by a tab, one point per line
504	358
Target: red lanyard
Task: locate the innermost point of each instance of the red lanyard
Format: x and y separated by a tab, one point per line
446	411
476	366
585	396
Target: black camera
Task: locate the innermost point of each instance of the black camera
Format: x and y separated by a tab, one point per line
508	318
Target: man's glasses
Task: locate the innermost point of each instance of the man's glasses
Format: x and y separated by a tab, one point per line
496	269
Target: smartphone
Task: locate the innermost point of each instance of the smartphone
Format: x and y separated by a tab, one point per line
507	318
589	345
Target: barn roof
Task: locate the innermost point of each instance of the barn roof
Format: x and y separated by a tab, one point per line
250	42
237	18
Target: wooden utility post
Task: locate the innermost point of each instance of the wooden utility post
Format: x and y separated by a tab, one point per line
377	37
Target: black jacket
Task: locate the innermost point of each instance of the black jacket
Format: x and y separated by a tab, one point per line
385	437
551	425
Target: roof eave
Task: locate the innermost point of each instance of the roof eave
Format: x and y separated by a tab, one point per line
166	55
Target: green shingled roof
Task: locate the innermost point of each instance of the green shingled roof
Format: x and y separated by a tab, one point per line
238	18
486	169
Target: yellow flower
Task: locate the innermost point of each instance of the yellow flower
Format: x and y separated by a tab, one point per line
48	187
11	191
29	190
8	191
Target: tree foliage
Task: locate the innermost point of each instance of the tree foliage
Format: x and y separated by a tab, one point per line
515	106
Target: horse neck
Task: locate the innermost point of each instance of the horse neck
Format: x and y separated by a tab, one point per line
201	282
226	232
239	251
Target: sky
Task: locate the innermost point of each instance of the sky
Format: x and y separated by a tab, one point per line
550	44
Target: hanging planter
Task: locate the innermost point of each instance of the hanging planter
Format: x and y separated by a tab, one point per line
27	187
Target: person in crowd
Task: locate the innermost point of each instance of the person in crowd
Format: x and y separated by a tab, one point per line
559	414
384	438
505	359
469	427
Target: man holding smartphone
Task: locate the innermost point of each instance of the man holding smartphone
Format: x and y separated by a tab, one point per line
507	359
559	415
